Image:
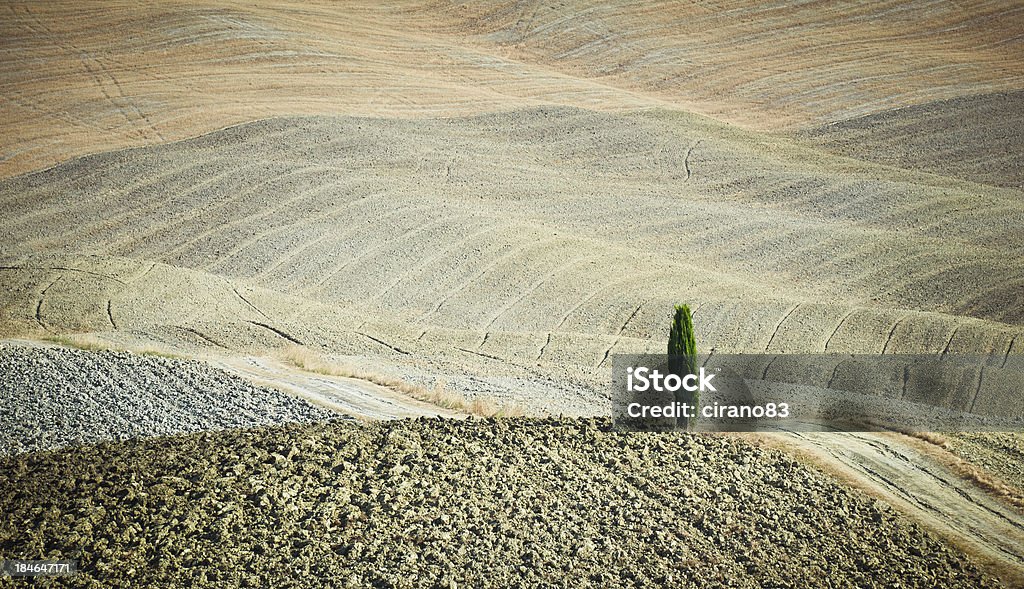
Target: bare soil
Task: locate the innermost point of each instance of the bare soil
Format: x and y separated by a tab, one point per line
84	79
435	502
976	138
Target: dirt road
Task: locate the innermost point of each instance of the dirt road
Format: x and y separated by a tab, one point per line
925	490
350	396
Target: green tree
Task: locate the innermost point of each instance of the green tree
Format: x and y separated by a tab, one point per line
682	353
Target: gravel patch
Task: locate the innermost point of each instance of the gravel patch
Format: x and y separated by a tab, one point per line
446	503
56	397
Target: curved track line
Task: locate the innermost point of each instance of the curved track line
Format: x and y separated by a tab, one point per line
778	325
838	327
452	293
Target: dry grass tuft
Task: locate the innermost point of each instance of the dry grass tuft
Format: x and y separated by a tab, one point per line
309	360
933	438
89	342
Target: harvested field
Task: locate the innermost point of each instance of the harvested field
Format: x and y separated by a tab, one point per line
975	138
530	236
436	502
498	242
83	79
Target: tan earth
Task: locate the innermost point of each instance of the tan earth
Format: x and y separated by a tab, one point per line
502	196
80	79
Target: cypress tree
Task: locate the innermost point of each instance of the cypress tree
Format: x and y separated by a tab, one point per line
682	352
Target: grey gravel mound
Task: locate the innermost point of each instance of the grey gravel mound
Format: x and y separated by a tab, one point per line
55	397
444	503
